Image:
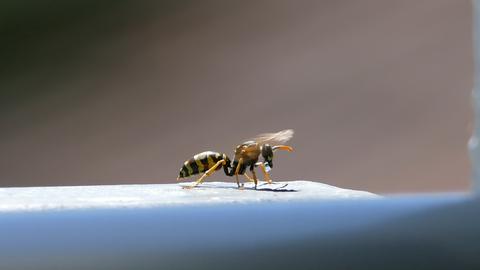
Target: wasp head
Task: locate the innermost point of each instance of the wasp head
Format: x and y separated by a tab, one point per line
267	154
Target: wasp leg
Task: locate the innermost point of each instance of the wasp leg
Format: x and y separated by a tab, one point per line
266	175
207	173
254	178
240	162
248	177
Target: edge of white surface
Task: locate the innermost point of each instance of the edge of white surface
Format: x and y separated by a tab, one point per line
158	195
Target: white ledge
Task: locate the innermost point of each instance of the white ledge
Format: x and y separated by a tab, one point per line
121	196
131	227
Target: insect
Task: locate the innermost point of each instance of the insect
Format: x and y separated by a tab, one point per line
246	156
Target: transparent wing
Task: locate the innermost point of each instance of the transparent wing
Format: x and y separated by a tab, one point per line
274	138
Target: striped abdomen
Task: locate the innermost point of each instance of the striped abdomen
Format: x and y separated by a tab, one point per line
200	163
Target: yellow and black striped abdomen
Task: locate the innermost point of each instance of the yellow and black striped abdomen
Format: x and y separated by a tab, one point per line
200	163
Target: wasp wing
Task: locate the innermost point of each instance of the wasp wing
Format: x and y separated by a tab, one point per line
274	138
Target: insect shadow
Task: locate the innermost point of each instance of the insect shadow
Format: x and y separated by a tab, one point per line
259	188
275	189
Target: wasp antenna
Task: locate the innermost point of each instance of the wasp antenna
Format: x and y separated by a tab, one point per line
282	147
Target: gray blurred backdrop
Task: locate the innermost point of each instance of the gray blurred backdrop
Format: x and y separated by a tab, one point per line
104	92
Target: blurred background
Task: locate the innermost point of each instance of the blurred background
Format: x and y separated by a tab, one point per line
112	92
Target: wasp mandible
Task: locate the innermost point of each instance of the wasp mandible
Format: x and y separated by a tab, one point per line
246	156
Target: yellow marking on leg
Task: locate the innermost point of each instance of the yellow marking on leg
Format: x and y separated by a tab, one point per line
248	177
206	174
266	175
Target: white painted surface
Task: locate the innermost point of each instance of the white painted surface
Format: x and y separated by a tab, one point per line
121	196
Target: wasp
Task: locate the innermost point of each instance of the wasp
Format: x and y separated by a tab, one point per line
246	156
